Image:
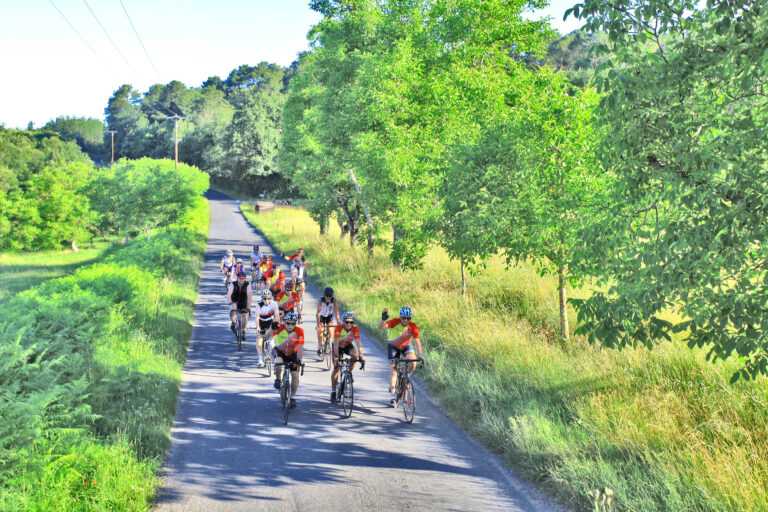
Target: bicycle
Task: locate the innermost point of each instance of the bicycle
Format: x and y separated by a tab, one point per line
228	280
266	350
285	387
239	329
404	387
254	279
345	392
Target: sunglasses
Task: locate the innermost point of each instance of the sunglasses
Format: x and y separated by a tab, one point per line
290	324
406	318
348	322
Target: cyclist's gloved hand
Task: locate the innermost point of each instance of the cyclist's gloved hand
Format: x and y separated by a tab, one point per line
282	254
384	315
275	326
362	363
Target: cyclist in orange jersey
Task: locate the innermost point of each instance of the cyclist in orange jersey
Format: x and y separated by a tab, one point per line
345	337
290	349
288	299
400	345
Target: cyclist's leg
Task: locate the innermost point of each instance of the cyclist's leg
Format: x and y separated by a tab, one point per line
411	356
278	367
244	319
336	367
294	381
232	313
353	354
392	353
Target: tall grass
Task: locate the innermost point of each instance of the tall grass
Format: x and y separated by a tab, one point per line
661	430
20	271
90	366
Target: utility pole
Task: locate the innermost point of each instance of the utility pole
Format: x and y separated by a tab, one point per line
176	142
112	133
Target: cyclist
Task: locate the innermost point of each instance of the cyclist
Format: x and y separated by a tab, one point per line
327	308
240	296
289	350
238	266
299	255
278	279
227	262
297	274
288	299
256	255
343	338
400	345
268	314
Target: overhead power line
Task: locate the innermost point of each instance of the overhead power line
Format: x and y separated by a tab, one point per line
80	36
140	41
108	37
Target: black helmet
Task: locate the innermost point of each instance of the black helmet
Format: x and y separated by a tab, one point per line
241	273
328	292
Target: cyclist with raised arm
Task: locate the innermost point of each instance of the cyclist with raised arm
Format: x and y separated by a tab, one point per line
345	338
327	308
268	314
240	298
297	275
400	345
290	349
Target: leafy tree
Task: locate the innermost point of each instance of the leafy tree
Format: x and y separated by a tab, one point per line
684	225
87	132
126	118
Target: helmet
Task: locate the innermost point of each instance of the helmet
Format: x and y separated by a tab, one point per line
349	316
328	292
291	317
229	252
266	294
241	273
239	260
289	285
255	247
405	312
276	266
269	256
299	250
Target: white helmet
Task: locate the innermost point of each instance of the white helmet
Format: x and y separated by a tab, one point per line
349	316
229	252
291	317
266	294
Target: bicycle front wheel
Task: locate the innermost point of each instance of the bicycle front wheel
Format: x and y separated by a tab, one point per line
285	395
328	353
409	401
239	333
347	395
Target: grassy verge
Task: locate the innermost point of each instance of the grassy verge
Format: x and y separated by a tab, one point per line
661	430
90	366
24	270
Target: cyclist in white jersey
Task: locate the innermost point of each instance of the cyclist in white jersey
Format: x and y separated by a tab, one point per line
227	262
327	308
268	316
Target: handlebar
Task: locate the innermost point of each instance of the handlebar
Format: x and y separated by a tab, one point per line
292	365
417	360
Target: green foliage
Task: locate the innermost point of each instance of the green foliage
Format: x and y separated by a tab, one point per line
89	372
683	225
134	195
89	133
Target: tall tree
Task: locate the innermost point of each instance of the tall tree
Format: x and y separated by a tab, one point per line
684	225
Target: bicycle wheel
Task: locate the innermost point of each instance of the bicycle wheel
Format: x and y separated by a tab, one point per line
409	401
328	353
239	333
347	395
285	395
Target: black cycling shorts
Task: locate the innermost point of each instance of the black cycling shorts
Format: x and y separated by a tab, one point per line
265	324
326	320
397	353
293	358
346	350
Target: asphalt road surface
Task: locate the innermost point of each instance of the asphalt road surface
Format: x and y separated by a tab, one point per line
230	450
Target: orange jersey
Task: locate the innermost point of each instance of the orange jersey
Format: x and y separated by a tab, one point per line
294	256
348	336
403	334
292	299
292	342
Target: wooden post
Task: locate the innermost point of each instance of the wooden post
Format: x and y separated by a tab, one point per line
463	281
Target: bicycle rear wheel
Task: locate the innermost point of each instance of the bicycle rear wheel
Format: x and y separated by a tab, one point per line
239	333
409	401
347	395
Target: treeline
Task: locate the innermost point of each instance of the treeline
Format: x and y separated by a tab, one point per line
53	196
438	120
229	128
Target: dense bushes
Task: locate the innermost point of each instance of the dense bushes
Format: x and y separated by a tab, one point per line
90	365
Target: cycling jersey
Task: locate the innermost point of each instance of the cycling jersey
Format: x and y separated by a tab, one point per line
402	333
298	270
268	312
288	343
287	300
295	256
240	294
229	262
327	309
348	336
256	258
238	268
278	282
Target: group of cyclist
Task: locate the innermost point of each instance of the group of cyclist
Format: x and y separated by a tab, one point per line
279	308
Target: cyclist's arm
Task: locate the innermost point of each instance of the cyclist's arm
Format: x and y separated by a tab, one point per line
336	310
250	297
300	352
319	308
221	265
229	293
417	341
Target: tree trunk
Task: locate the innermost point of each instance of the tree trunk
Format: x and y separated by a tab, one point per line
463	281
563	311
395	237
371	236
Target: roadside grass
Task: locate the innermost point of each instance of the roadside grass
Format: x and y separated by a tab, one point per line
659	430
24	270
90	367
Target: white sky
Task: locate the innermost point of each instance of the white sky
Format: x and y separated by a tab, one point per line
48	71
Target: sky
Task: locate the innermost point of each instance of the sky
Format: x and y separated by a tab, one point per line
50	69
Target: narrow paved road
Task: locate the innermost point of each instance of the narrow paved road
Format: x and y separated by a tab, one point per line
230	450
